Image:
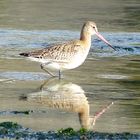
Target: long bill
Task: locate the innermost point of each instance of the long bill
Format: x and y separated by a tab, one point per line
103	39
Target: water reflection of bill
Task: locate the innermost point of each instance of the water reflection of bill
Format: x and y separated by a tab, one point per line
68	96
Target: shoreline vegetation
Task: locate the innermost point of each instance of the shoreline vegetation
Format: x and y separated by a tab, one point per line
12	130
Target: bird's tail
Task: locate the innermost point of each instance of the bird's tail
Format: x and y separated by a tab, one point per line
25	54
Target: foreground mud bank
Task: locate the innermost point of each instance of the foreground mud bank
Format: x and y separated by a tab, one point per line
11	130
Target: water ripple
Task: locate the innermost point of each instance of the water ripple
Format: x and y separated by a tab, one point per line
24	76
14	41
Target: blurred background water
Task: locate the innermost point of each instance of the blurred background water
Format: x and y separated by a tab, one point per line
111	15
106	76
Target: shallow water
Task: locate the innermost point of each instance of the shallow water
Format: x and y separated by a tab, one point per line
105	77
103	94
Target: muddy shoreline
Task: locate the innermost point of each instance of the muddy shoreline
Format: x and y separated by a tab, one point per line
11	130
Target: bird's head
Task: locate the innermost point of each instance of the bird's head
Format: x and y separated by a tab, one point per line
90	28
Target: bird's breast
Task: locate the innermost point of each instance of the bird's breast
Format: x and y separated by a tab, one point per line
77	60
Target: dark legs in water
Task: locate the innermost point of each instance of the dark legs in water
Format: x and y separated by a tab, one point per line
59	74
42	67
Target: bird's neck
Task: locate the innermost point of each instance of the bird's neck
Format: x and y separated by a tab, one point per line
85	37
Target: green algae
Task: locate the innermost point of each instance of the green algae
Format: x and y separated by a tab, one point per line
11	130
10	125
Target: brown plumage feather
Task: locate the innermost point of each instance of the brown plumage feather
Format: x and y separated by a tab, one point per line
63	52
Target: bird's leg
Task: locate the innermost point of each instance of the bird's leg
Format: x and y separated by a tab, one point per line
42	67
46	82
59	74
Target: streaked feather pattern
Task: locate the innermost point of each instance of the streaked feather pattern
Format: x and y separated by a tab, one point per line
60	52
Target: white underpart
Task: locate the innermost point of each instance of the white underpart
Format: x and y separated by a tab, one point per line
76	61
47	63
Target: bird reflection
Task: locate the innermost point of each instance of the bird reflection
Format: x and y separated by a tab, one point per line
68	96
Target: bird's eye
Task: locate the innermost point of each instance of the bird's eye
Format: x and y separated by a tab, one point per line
93	27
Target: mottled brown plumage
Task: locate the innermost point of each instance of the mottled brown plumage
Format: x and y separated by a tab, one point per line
59	52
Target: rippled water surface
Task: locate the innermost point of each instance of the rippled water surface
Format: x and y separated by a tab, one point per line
103	94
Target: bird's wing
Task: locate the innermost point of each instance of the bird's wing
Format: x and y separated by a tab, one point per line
60	52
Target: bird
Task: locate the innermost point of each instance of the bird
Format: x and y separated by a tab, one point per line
68	55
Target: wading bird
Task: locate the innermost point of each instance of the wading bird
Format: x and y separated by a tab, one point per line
68	55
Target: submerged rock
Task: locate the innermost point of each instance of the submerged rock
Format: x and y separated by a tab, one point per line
11	130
